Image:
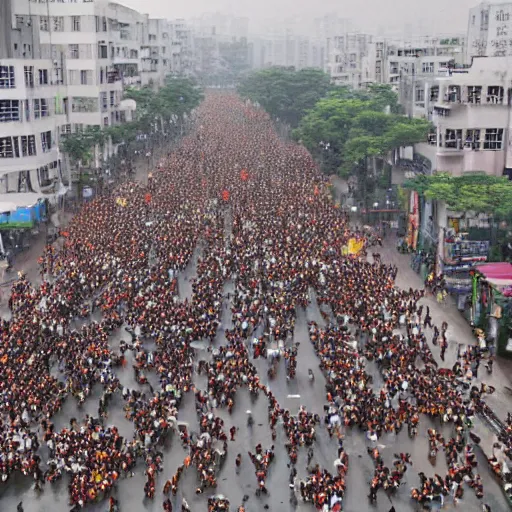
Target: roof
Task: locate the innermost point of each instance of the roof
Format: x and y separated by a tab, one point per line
9	202
498	274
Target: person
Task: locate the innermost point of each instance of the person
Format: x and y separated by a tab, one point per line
19	508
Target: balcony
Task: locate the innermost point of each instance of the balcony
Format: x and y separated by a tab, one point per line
113	77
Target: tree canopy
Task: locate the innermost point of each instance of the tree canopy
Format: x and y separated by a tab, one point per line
477	192
354	125
179	96
284	92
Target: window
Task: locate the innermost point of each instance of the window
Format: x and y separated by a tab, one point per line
434	93
7	77
453	139
85	77
73	51
84	104
104	23
28	71
102	51
73	77
65	129
27	110
495	94
75	23
44	176
28	145
420	95
473	139
493	138
112	98
46	141
43	23
427	67
58	23
79	127
9	111
105	121
43	77
474	94
6	147
104	101
41	108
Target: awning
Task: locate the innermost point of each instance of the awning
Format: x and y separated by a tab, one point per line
497	274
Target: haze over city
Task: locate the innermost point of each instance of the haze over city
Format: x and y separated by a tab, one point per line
383	16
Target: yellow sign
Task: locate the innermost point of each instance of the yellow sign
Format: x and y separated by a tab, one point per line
355	246
121	201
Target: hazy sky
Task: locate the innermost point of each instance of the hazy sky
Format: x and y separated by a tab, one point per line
437	15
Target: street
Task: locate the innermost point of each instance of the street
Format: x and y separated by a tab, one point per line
290	394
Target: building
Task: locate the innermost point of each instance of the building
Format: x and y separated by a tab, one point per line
471	114
472	119
413	65
350	60
127	27
489	30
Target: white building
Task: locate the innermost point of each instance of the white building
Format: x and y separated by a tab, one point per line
489	30
59	78
350	60
472	119
414	64
127	27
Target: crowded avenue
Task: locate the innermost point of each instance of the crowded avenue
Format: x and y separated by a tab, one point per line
202	341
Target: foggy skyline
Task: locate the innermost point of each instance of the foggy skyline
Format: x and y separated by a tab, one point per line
434	16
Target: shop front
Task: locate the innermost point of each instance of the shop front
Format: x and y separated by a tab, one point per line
492	304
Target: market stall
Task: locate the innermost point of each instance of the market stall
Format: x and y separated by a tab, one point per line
492	304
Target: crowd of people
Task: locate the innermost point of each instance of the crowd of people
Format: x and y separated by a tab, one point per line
254	210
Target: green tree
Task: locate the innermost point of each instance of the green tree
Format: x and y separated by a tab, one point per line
284	92
357	126
476	192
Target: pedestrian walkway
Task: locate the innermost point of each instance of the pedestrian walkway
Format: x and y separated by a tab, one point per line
459	330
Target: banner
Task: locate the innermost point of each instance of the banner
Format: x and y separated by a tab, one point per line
355	246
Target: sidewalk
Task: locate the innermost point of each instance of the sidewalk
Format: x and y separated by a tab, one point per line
459	330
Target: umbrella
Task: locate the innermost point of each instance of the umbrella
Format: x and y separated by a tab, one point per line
337	463
248	412
220	377
206	435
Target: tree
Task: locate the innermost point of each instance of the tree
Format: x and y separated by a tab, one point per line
357	125
285	93
477	192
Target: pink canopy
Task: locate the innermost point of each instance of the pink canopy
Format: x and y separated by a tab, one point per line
493	271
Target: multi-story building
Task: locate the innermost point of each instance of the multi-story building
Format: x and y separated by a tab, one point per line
156	51
127	27
57	76
63	66
489	30
412	65
349	59
472	120
181	47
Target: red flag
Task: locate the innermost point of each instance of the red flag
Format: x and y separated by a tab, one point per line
317	190
147	198
225	195
244	175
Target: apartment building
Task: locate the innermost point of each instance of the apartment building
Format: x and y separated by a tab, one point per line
56	76
489	30
127	27
350	60
414	64
472	120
